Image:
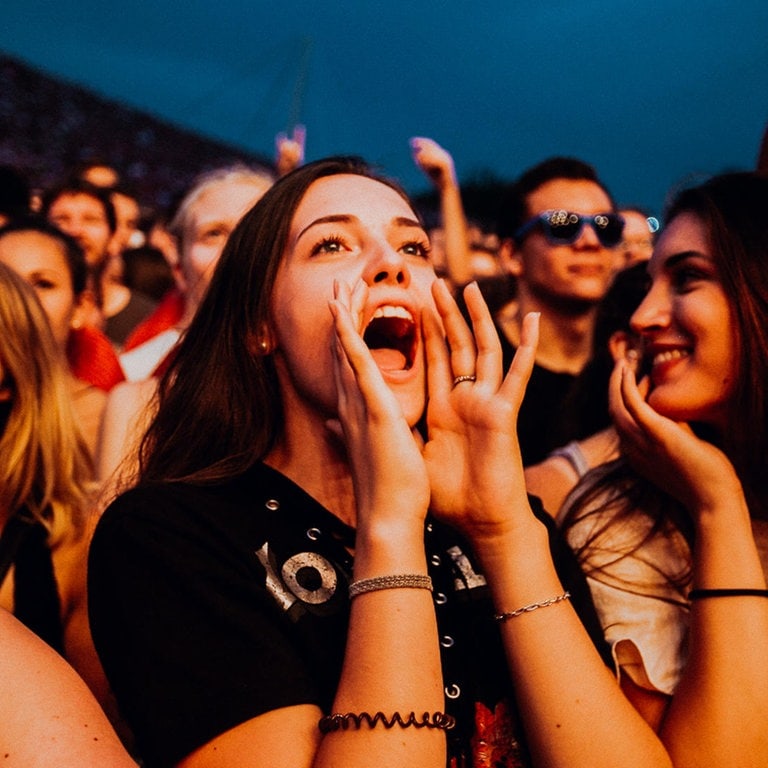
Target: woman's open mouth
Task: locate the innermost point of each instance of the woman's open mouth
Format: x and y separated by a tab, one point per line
391	337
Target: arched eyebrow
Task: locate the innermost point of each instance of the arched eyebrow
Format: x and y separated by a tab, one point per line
405	221
676	258
216	221
345	218
330	219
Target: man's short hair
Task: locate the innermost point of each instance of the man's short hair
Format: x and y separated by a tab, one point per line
513	209
79	187
238	172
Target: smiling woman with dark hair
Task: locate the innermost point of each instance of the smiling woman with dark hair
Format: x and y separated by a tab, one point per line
674	535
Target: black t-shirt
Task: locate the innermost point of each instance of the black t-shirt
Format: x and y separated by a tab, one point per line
118	327
212	605
539	422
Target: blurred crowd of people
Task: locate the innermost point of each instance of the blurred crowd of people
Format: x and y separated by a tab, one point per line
296	461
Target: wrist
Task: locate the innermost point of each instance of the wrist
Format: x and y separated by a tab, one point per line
522	542
391	547
723	518
447	181
521	574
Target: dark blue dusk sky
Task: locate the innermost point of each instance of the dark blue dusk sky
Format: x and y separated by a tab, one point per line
652	92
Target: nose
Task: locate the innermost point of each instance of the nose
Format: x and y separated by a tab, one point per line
653	313
388	266
587	237
73	227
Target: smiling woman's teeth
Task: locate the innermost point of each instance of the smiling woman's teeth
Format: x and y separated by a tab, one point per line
670	354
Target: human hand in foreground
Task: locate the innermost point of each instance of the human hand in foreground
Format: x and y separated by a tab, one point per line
387	467
666	452
435	161
472	451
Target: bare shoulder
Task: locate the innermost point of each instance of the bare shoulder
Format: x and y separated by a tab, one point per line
551	480
129	398
48	716
601	447
126	415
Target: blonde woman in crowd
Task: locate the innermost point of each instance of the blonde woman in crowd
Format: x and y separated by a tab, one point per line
53	264
46	485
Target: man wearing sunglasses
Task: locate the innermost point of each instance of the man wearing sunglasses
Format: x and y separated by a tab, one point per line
559	231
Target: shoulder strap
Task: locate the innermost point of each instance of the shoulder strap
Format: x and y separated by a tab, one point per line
573	454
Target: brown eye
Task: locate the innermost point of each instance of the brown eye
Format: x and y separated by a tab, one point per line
416	248
329	245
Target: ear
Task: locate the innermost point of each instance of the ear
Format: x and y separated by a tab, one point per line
178	278
170	245
509	258
624	346
114	247
262	342
86	309
159	237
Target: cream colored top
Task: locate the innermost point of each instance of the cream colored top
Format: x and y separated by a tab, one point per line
646	628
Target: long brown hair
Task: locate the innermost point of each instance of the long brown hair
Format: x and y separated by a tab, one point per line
219	403
734	209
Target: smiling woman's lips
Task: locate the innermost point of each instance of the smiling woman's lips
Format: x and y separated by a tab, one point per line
669	356
664	363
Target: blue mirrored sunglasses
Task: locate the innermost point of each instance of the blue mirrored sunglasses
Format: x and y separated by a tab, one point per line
564	227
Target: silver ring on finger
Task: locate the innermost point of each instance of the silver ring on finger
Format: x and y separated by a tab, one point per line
465	377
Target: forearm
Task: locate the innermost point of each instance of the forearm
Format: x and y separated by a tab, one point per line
392	661
455	229
574	711
438	165
720	707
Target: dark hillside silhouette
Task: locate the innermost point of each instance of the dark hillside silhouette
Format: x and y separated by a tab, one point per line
48	127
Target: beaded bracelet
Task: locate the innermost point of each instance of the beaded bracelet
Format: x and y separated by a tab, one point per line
531	607
700	594
395	581
351	720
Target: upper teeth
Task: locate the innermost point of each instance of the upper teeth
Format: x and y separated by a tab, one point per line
670	354
392	311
